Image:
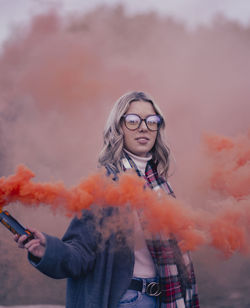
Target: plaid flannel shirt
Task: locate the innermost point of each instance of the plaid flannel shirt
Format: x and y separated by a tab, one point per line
174	268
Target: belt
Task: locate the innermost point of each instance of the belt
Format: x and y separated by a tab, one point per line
151	288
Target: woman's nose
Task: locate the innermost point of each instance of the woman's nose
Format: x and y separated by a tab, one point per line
143	126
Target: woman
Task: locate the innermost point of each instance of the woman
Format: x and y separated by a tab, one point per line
145	272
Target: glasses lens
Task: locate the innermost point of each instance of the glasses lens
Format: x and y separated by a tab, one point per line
132	121
153	122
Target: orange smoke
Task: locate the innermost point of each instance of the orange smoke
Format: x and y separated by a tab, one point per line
230	177
229	230
69	74
230	173
226	230
162	213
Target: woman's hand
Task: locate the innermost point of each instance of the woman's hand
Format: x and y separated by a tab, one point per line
35	246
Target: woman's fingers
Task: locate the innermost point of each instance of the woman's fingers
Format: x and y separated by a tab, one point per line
36	245
38	235
31	243
35	248
16	237
20	240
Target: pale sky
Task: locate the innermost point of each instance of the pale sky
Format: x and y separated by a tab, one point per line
193	12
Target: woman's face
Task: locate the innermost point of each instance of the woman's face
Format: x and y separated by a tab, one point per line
141	140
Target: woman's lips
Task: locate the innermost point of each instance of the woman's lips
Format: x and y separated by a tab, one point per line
142	140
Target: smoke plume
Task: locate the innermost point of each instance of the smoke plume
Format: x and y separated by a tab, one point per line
226	229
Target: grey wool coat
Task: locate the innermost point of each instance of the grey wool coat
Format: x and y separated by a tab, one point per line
97	275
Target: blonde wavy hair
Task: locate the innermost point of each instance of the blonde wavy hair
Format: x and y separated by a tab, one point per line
112	151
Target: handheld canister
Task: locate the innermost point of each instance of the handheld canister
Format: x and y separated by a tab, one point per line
14	226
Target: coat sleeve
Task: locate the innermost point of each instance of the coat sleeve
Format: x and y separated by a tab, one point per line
73	255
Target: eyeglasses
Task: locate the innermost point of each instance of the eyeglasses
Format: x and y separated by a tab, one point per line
133	121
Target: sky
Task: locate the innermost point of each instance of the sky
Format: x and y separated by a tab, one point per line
14	13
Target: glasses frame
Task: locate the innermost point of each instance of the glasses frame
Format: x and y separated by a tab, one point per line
145	121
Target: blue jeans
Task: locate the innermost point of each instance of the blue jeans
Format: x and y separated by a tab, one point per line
136	299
